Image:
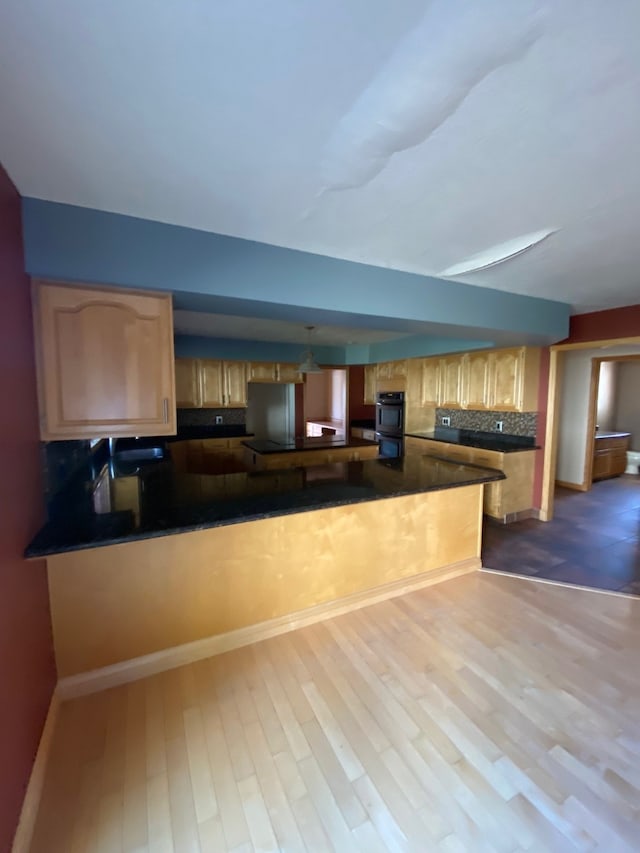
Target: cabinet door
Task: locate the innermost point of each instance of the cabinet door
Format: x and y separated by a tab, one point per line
105	362
430	391
235	390
508	368
289	373
211	384
450	394
476	380
262	371
187	383
370	374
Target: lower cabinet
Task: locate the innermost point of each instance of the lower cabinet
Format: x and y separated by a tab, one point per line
209	455
609	457
502	500
305	458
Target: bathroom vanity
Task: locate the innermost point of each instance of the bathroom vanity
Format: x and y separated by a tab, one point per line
610	454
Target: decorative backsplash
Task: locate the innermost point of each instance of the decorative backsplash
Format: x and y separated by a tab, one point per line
514	423
207	417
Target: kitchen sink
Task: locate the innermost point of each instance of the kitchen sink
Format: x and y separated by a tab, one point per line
139	454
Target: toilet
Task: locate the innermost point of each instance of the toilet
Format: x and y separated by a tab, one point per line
633	462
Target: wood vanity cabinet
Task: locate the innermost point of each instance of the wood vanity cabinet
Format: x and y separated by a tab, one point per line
104	361
203	383
609	457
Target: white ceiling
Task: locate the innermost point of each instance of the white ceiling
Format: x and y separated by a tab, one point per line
280	331
410	135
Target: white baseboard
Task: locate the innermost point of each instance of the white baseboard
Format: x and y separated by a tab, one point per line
31	803
140	667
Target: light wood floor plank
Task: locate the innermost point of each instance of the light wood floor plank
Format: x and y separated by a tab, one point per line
487	713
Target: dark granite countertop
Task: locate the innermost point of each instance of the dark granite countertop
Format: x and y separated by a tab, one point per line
501	442
364	423
287	444
107	507
212	431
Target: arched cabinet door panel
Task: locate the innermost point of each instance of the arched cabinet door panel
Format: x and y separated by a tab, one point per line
105	361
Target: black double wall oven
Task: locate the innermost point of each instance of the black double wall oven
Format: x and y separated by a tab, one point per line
390	423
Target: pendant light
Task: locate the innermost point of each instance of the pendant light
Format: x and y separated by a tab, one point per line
308	364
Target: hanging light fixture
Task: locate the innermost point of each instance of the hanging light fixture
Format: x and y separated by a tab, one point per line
308	363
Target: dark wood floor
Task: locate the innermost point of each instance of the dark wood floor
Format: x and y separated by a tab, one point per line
593	540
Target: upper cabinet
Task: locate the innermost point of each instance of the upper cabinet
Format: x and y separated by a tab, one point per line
476	379
105	361
187	383
262	371
492	380
203	383
391	375
272	371
512	388
450	393
288	373
370	376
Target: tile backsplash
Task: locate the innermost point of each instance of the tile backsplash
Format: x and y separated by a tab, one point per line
514	423
207	417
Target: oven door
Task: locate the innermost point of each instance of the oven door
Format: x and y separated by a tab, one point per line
390	418
390	446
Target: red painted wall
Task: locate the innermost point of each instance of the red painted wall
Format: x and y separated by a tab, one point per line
357	409
27	669
602	325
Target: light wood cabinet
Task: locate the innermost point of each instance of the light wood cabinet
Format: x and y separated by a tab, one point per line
430	384
223	384
476	380
211	384
391	375
505	500
271	371
209	455
105	361
370	379
262	371
609	457
505	393
450	393
487	380
288	373
187	383
306	458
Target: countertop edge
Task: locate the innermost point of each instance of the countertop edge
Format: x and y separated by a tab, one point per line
491	475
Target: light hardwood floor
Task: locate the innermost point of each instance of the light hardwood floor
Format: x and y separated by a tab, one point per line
485	713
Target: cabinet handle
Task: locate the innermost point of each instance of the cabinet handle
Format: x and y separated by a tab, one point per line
165	409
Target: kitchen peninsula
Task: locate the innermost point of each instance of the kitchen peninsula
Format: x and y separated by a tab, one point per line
220	558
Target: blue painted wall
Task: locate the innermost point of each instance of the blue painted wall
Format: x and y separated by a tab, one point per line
212	272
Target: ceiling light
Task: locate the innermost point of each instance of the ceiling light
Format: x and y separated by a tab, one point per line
308	363
498	254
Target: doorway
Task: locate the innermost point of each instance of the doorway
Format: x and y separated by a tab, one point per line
325	403
562	375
